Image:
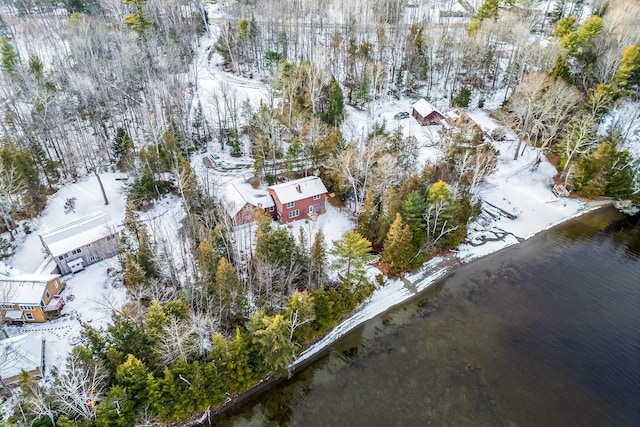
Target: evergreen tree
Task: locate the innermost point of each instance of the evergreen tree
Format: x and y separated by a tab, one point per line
9	59
323	308
367	221
117	409
352	253
137	20
398	247
621	178
241	366
35	66
128	338
412	209
628	73
155	319
558	11
207	263
132	377
229	294
271	335
561	70
333	110
318	261
145	256
122	148
462	99
134	274
273	244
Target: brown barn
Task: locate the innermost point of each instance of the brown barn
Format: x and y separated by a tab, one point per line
425	113
299	198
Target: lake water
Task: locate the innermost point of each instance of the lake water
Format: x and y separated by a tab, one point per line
546	333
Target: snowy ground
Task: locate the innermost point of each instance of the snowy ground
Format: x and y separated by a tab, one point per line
90	295
514	187
29	253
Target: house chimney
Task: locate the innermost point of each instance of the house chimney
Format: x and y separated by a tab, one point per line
299	188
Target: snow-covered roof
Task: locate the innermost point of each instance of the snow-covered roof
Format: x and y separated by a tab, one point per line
238	193
424	108
78	233
24	289
453	114
22	352
299	189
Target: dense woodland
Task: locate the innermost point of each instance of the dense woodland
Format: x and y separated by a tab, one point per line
96	85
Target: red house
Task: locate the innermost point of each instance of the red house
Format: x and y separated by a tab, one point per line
241	201
298	198
425	113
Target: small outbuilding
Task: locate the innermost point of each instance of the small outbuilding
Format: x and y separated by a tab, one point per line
425	113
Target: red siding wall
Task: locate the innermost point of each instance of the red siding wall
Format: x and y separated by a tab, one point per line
302	206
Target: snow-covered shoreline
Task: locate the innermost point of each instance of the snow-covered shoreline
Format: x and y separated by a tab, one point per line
399	291
392	295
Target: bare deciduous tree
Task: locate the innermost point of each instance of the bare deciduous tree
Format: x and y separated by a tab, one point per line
80	387
177	340
538	109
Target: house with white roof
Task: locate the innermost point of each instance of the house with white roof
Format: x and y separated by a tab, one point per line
241	200
81	242
21	353
425	113
29	298
299	198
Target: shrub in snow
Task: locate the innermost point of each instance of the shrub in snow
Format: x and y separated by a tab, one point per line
70	205
6	248
498	134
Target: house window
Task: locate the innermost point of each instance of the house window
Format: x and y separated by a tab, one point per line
47	294
55	284
7	306
316	197
311	209
294	213
29	316
290	205
66	255
271	209
60	257
92	258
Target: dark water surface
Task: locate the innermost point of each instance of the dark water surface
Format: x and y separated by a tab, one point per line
546	333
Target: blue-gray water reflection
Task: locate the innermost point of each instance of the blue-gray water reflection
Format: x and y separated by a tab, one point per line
546	333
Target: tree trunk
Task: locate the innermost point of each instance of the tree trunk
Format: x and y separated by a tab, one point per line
104	194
